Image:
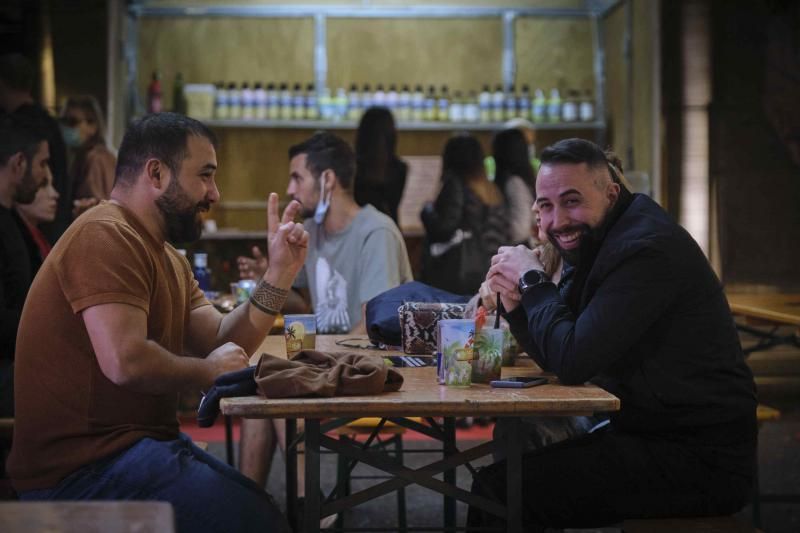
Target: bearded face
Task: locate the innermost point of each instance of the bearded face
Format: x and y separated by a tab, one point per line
181	214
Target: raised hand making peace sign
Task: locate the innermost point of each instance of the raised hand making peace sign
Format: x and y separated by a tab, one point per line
287	242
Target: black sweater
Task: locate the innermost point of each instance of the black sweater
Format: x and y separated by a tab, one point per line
15	280
652	326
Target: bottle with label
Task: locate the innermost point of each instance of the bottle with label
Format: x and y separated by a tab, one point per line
524	103
392	98
234	102
366	97
539	107
221	102
379	98
154	94
178	98
340	104
586	111
498	101
443	105
569	108
404	104
431	104
201	272
510	104
312	106
485	104
259	102
285	102
418	104
326	110
554	106
456	111
354	103
273	102
472	112
248	102
298	102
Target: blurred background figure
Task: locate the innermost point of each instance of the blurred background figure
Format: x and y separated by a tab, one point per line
514	177
380	174
17	76
41	211
92	168
466	223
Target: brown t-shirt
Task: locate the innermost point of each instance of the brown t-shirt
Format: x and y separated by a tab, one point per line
93	172
68	414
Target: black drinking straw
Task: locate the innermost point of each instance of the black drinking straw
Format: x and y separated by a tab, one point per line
497	312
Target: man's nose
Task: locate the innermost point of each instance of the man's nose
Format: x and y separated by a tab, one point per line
290	188
212	194
560	218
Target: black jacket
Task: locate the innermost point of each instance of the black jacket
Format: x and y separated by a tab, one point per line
15	279
652	326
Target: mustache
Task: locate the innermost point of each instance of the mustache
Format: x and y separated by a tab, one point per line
203	207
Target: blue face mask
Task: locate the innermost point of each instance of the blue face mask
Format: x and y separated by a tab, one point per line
72	136
323	204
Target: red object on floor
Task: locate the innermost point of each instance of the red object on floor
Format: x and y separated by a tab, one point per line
216	433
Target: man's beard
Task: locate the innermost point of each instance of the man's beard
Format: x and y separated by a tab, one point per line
26	192
588	242
181	216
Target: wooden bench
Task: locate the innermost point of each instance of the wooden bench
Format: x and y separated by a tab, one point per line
87	517
714	524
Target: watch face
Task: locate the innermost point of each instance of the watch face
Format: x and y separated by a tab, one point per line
531	278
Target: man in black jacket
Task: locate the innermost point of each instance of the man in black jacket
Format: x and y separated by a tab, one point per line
645	318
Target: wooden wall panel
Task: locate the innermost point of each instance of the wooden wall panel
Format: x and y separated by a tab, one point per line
206	50
554	53
461	53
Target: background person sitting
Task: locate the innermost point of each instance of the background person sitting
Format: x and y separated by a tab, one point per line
514	176
40	211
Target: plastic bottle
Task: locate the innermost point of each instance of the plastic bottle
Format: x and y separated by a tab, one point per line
248	102
201	272
554	106
443	105
456	111
569	108
221	111
586	111
366	97
524	103
234	102
178	98
472	112
154	94
259	102
298	102
354	103
418	104
404	104
340	104
285	96
498	101
326	104
379	98
539	107
311	104
510	103
431	104
392	98
273	102
485	104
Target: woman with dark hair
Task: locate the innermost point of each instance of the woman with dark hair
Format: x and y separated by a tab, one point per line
92	169
41	211
514	176
467	222
380	174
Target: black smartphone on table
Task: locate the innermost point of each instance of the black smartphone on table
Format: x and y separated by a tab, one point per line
518	382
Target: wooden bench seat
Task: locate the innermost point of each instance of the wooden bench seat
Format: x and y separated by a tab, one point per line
87	517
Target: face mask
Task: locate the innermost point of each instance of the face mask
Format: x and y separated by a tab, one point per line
72	136
323	204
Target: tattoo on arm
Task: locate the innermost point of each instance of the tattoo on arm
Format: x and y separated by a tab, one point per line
268	298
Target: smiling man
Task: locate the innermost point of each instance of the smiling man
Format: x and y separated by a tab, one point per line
115	326
639	312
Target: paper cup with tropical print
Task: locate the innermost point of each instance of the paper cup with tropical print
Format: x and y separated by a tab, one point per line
300	332
457	337
487	354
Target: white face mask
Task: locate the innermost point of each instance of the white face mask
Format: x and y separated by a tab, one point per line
323	204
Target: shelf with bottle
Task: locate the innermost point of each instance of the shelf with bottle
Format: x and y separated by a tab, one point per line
401	125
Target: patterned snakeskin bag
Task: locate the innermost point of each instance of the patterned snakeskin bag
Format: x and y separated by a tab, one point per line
418	324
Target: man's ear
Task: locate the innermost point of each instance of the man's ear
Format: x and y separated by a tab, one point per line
612	193
156	173
329	179
18	164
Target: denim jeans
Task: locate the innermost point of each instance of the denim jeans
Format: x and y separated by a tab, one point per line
206	494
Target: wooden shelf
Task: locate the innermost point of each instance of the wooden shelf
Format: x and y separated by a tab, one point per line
401	125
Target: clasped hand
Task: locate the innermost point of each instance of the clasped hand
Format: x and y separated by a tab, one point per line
510	263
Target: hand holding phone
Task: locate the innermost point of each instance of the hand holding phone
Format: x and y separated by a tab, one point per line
518	382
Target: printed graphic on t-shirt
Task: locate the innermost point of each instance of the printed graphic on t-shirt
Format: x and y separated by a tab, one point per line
331	310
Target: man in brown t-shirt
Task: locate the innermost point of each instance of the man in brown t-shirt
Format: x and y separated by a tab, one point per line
115	325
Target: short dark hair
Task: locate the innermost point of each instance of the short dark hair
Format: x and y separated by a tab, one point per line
576	151
324	151
463	158
510	152
16	71
161	136
18	134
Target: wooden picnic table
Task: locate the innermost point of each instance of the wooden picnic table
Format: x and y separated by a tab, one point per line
764	315
86	517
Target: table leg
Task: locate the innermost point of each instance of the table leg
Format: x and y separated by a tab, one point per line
514	477
312	510
449	442
291	473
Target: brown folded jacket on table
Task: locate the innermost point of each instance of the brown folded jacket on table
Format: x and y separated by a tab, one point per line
313	373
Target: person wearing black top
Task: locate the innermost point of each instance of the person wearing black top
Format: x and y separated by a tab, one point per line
16	85
646	319
23	167
380	175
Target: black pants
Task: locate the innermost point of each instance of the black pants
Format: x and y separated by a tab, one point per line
603	478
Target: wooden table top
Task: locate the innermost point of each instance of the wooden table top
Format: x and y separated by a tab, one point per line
780	308
421	395
86	517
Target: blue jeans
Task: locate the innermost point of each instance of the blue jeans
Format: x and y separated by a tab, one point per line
206	494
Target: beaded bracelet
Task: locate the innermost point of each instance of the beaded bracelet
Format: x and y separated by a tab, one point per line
268	298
